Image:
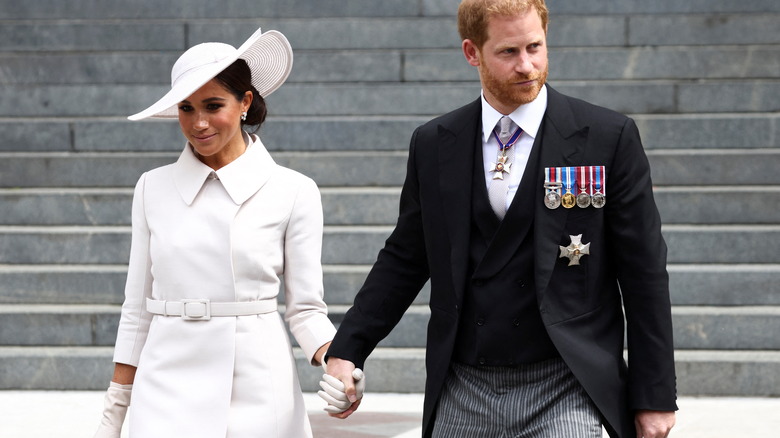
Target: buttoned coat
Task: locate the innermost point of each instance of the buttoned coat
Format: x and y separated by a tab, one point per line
581	306
230	235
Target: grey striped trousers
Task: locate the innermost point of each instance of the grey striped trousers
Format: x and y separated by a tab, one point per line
540	400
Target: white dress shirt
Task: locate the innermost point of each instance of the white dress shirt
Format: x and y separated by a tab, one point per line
529	118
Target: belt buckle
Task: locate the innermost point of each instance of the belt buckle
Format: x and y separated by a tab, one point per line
195	310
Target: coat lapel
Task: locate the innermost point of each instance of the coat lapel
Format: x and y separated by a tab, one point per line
563	144
458	136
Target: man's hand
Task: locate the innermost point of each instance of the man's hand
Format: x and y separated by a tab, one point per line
343	371
653	424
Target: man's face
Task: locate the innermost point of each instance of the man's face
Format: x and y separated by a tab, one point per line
512	63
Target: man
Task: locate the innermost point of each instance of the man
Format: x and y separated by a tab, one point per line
531	261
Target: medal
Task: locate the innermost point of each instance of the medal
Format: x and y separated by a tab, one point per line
599	196
500	167
575	250
568	200
552	187
583	182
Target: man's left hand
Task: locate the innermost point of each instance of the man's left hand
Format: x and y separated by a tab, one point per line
653	424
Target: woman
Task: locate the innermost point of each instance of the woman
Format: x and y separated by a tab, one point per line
200	344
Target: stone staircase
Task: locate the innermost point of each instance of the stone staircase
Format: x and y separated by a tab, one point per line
702	80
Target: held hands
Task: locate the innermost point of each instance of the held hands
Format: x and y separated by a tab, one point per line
115	405
342	387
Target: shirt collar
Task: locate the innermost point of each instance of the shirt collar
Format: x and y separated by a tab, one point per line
528	117
242	177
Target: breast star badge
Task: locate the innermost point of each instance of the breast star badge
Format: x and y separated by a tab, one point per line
575	250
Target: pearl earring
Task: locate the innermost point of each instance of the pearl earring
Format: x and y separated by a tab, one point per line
243	116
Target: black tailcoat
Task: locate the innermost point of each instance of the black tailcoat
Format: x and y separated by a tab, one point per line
582	306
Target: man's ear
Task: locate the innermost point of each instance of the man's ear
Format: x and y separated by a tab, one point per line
471	52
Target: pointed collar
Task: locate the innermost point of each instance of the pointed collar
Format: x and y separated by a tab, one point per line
242	177
528	117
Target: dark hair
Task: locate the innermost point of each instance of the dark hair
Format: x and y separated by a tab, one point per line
237	79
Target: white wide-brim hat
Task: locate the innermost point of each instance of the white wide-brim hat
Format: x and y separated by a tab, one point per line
268	55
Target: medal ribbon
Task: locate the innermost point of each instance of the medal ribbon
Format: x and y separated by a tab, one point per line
584	179
570	178
599	181
510	142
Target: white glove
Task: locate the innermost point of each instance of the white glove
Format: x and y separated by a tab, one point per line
333	391
115	405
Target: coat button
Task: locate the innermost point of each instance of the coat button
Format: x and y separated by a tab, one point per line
482	361
516	322
480	321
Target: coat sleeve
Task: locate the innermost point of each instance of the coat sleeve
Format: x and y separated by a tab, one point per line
634	231
400	271
135	320
306	313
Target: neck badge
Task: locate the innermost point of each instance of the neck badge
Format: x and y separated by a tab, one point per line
502	166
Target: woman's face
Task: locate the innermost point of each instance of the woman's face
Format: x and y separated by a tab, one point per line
210	119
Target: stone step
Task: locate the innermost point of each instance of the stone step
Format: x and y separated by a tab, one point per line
705	373
203	9
695	328
689	284
746	167
316	133
379	205
610	63
718	244
630	96
378	32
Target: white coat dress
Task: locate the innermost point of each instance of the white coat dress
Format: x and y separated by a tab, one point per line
227	238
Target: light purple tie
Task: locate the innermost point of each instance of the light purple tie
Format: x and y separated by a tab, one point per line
498	187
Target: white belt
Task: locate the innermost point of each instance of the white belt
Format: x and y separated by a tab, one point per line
203	310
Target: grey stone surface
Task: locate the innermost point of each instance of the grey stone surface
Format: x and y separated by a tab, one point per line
154	67
728	373
560	7
709	131
55	368
722	244
58	100
718	205
205	9
82	170
729	96
627	97
85	207
712	28
47	36
658	6
64	245
724	285
737	167
729	328
87	68
361	207
49	284
58	325
34	136
340	33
